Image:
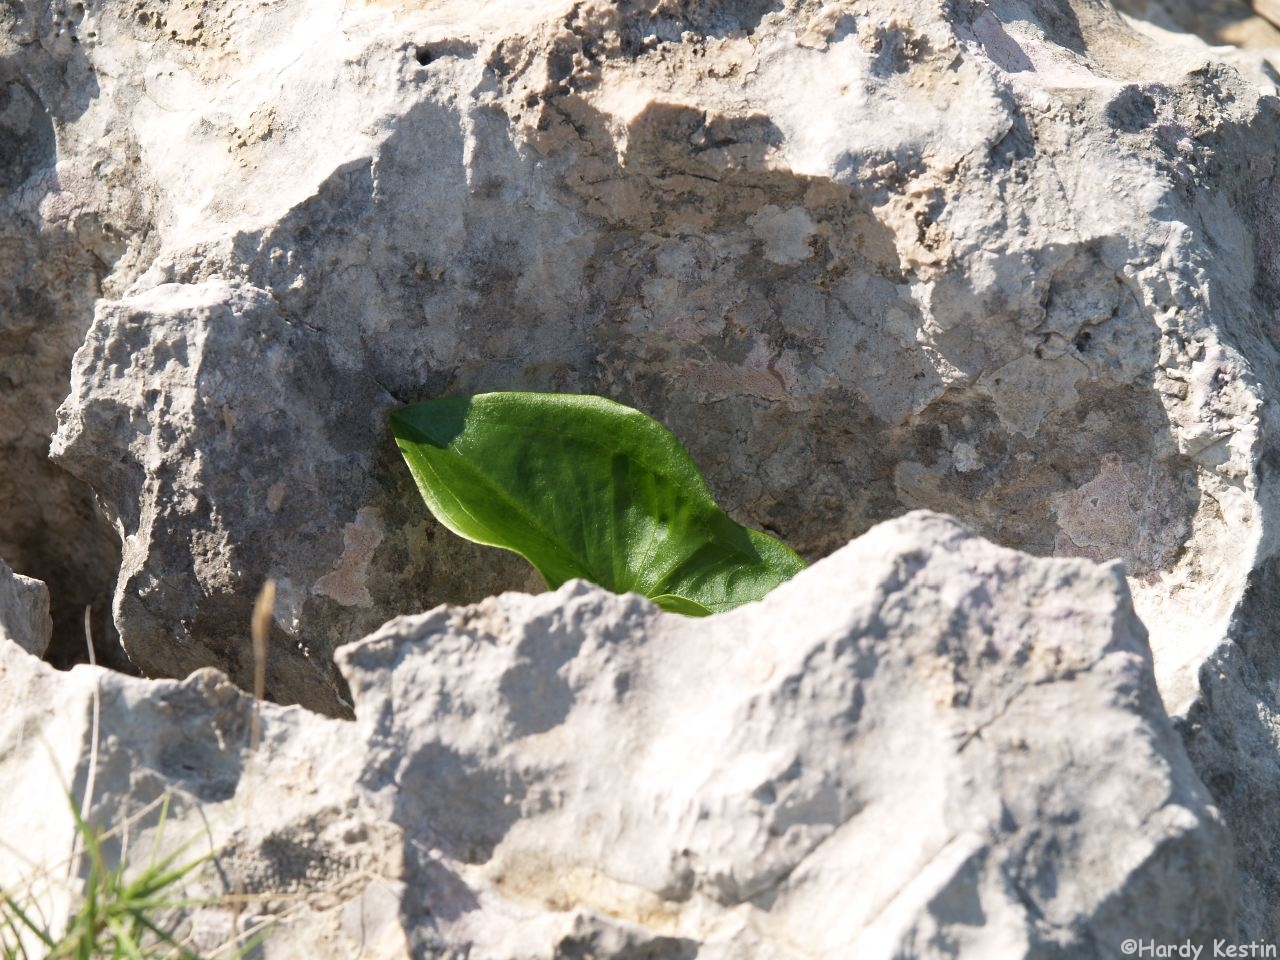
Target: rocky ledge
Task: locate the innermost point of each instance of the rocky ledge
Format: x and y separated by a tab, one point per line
925	745
1013	261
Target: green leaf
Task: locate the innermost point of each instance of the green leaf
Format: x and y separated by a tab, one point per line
673	604
584	487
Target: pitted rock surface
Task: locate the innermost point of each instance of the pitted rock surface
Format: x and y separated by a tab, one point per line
925	745
1015	260
861	258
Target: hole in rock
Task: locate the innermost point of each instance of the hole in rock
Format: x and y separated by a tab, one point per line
53	531
428	53
77	582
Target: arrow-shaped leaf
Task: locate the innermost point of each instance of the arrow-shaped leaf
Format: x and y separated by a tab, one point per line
584	487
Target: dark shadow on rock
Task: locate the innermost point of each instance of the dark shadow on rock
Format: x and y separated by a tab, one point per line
1230	736
642	24
455	803
1230	732
1132	110
49	278
1019	144
1058	20
597	936
1216	22
192	754
27	141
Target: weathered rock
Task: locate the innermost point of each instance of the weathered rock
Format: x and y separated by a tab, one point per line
62	228
1252	24
926	745
1014	260
24	611
1000	304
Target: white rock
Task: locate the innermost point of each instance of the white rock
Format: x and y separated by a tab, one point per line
1011	260
924	746
808	239
24	611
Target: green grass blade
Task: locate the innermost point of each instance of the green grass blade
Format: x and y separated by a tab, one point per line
159	877
10	909
125	944
114	919
161	935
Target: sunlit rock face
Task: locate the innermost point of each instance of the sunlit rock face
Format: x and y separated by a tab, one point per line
1014	261
923	746
24	612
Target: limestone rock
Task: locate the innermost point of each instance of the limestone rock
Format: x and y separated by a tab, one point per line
1251	24
24	611
984	283
925	745
1012	260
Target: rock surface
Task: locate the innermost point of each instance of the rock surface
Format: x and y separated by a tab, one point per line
926	745
61	230
987	281
24	612
1015	260
1252	24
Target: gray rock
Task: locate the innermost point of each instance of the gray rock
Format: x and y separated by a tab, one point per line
986	308
63	227
925	746
1251	24
24	611
1013	261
